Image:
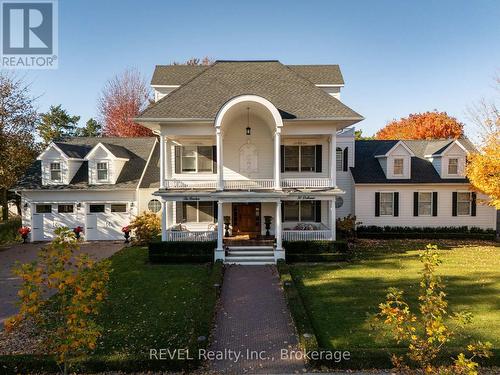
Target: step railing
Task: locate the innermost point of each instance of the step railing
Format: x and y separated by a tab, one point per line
306	235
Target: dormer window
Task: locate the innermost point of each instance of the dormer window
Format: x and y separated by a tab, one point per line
102	171
55	171
453	166
398	166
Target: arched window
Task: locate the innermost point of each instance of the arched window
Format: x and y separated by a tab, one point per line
154	205
340	159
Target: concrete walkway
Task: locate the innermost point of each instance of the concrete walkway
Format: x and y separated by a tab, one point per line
25	253
254	323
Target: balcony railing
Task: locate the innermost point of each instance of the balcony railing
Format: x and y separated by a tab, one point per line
253	184
203	236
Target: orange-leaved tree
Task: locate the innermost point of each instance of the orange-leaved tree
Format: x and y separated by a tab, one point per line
483	167
67	320
427	125
123	98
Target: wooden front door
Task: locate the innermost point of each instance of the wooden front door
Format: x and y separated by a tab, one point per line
246	218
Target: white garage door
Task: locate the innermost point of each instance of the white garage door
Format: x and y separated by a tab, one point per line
47	217
104	221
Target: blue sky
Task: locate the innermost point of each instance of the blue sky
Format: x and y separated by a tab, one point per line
397	57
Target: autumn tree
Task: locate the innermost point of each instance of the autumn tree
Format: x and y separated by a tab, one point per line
92	128
122	99
483	167
196	61
358	135
66	321
18	117
56	124
428	125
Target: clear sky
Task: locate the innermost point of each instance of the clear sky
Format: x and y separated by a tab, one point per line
397	57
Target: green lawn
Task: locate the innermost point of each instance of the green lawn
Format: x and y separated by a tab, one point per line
154	306
338	296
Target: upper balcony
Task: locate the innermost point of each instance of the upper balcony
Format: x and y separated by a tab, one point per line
249	184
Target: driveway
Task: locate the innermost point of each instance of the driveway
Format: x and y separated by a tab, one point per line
25	253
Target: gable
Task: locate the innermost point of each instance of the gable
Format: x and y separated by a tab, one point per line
454	149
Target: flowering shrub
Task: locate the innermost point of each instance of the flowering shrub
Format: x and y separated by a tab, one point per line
145	227
78	229
24	231
426	334
126	229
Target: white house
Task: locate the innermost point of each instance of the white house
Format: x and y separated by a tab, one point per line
245	143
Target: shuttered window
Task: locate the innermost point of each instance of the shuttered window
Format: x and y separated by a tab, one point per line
301	158
386	204
464	201
424	203
340	157
195	159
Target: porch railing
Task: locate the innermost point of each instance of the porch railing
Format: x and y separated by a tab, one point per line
260	183
202	236
306	235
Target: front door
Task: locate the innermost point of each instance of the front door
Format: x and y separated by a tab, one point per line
246	218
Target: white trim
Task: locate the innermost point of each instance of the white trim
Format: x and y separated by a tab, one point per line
388	153
442	153
328	85
167	86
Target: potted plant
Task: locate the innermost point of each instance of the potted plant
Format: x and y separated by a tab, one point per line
126	233
77	231
227	222
24	232
267	221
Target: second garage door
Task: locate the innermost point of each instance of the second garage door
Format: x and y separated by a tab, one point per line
104	221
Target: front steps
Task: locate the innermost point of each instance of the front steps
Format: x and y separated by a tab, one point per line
250	255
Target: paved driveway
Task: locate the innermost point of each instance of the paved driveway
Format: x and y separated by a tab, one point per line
25	253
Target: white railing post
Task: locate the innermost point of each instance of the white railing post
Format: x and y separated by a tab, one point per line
277	159
220	161
333	221
279	252
219	252
164	220
162	161
333	159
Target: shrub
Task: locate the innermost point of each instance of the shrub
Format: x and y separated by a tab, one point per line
387	232
346	227
426	334
314	247
8	230
181	251
145	227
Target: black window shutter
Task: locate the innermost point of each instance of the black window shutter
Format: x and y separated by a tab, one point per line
473	207
377	204
454	204
415	203
318	211
319	157
214	159
434	203
178	159
396	204
346	158
179	212
216	211
282	158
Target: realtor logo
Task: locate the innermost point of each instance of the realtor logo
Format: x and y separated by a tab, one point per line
29	34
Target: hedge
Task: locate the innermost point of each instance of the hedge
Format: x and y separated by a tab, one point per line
388	232
315	247
8	230
181	251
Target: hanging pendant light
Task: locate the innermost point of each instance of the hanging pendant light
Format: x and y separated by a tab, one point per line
248	129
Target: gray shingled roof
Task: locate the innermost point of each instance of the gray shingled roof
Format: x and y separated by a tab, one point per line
295	96
73	151
369	171
117	151
137	151
320	74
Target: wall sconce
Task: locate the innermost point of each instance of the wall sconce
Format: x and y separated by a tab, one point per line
249	130
25	206
131	204
79	205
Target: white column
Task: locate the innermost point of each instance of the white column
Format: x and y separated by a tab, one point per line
162	162
279	252
219	252
277	159
168	158
220	161
333	160
333	220
164	220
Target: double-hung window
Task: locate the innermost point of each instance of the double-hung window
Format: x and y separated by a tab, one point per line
386	204
55	172
196	212
398	167
197	159
300	158
453	166
299	211
464	201
102	171
424	203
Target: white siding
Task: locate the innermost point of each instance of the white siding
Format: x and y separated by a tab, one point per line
344	179
365	207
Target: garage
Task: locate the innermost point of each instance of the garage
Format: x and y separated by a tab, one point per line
47	217
104	221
